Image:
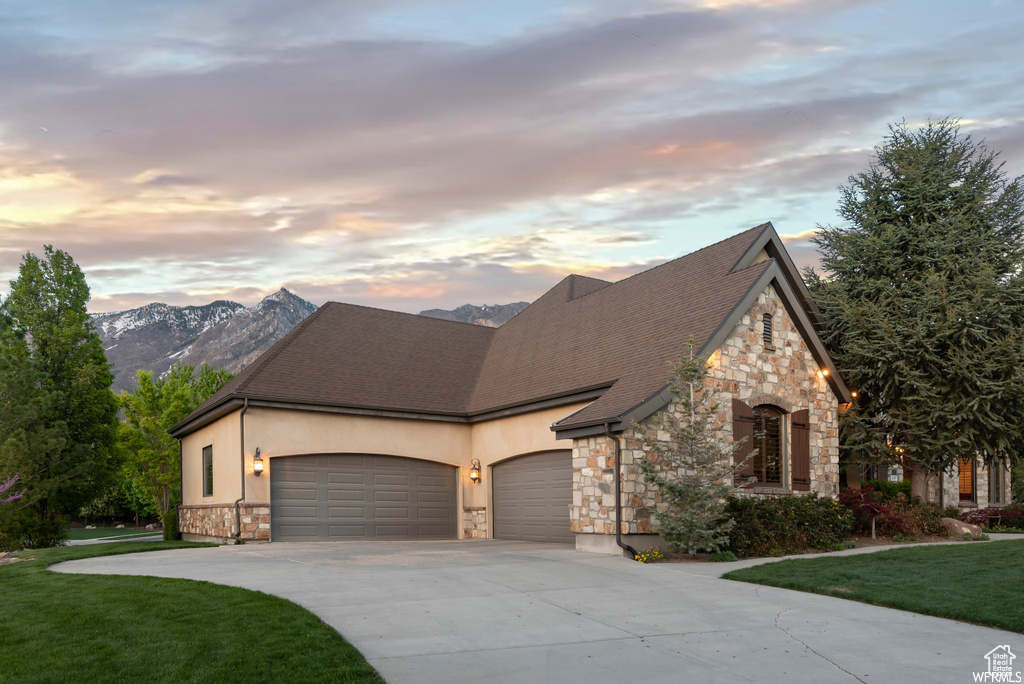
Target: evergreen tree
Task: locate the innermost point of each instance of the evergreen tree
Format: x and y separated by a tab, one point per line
693	470
47	303
923	303
150	454
30	440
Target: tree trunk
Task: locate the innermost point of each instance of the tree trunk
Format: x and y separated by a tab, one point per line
918	481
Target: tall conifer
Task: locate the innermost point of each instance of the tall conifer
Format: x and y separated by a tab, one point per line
923	302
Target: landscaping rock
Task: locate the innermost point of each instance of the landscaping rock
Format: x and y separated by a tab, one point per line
90	527
119	527
958	527
151	526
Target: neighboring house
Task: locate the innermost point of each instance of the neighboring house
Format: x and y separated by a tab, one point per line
370	422
970	483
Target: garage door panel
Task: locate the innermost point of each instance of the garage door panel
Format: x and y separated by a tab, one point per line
346	495
531	496
361	497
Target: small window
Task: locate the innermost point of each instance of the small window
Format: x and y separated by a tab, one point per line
996	483
967	479
767	321
208	471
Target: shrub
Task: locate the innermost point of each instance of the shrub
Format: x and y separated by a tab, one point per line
776	526
171	525
896	516
887	491
722	557
1011	516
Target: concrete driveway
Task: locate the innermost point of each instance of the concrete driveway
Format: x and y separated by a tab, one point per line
498	611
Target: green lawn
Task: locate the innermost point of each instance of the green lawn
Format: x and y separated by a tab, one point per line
98	628
972	582
99	532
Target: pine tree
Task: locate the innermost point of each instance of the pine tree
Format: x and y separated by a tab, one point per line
693	470
923	303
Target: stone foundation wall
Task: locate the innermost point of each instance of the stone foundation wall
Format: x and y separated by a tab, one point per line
474	522
783	374
218	521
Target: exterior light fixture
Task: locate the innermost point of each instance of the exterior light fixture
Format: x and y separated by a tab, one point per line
257	463
824	371
853	394
474	470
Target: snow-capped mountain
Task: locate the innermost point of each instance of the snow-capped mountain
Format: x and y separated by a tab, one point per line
490	316
227	334
156	336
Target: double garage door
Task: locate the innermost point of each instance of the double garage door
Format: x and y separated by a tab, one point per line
338	497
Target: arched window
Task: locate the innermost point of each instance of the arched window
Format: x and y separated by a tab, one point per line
767	445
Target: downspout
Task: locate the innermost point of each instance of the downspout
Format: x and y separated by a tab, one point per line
238	514
181	485
618	493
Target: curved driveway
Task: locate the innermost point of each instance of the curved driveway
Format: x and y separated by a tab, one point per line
499	611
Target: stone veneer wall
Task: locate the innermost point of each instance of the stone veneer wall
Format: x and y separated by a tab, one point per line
474	522
951	487
785	375
218	521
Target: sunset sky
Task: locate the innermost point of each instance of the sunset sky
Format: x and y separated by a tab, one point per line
420	154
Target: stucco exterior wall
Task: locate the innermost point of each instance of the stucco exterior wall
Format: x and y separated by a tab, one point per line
280	433
223	435
786	376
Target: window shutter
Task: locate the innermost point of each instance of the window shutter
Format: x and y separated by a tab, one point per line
801	461
743	429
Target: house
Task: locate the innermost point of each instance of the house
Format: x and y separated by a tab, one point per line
372	424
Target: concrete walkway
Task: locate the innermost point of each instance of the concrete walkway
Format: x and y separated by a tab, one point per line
499	611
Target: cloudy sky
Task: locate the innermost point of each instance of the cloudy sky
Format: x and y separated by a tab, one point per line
417	154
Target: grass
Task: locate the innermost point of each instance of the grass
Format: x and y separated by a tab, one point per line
979	583
75	535
100	628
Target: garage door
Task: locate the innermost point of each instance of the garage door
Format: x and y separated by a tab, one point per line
333	497
532	495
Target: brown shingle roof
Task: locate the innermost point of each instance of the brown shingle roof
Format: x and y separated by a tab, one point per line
581	334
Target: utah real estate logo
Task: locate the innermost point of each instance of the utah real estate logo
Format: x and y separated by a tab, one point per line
1000	666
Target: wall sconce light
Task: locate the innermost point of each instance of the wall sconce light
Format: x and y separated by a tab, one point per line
853	394
474	470
257	463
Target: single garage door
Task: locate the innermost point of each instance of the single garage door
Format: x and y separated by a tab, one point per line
532	495
333	497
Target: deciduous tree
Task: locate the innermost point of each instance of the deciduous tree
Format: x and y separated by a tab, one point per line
150	410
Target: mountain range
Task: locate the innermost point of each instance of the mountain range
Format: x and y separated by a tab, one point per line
227	334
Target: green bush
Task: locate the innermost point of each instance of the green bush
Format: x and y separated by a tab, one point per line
171	525
777	526
886	491
722	557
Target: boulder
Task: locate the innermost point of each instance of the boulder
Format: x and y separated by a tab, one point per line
119	527
958	527
90	527
151	526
